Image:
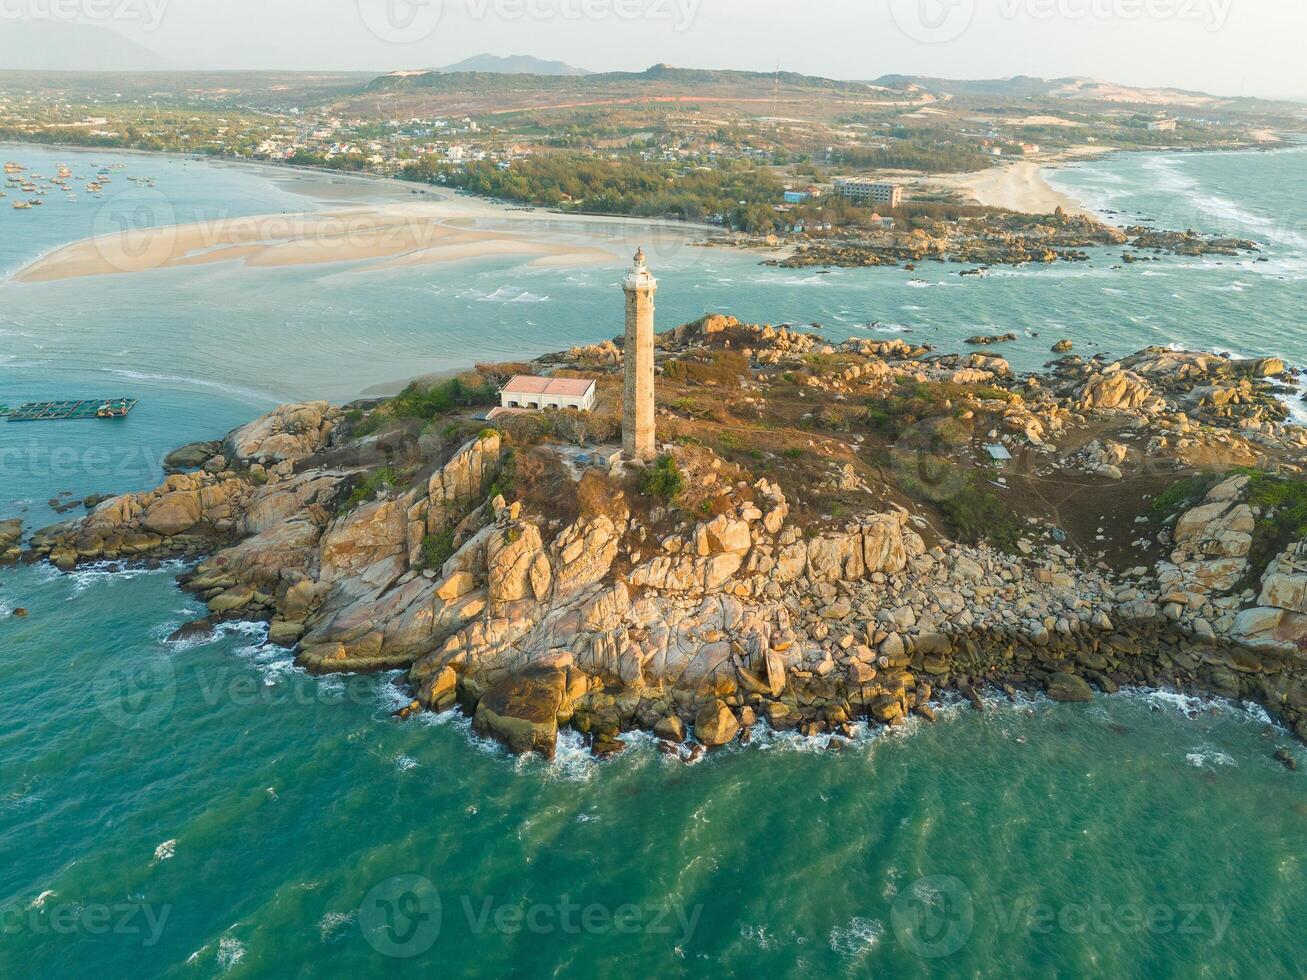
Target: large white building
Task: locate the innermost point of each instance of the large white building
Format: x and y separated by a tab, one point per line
529	391
869	191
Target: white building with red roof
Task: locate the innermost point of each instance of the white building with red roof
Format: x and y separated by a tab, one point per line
532	392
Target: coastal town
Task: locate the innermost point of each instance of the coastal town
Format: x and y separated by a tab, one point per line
902	153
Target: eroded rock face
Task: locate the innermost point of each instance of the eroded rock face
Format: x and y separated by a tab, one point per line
517	566
584	553
1285	582
1200	584
1119	390
289	433
1279	621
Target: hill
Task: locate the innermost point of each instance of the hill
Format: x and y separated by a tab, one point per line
666	75
52	45
517	64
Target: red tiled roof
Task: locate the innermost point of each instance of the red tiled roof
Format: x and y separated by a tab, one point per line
527	384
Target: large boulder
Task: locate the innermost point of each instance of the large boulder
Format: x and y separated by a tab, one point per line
289	432
1069	688
190	457
173	513
715	724
521	712
11	533
1118	390
884	546
725	534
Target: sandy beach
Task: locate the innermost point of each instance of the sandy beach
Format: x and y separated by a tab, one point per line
374	222
389	235
1016	186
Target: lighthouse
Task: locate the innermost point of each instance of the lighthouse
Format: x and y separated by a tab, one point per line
638	355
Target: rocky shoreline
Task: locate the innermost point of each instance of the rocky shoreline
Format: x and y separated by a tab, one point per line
603	607
997	240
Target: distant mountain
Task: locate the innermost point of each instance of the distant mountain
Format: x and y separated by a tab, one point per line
516	64
665	75
54	45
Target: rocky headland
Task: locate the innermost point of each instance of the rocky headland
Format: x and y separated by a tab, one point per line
832	535
1001	238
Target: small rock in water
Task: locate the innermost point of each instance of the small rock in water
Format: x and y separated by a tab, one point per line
605	746
20	612
1285	757
191	630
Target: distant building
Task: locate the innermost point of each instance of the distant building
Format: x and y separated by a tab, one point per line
530	391
796	197
879	222
869	191
1162	125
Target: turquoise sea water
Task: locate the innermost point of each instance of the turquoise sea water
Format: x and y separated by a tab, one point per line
173	810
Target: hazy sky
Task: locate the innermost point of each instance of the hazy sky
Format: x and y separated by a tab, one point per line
1236	47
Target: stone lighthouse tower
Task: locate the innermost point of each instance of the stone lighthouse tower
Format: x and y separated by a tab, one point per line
638	354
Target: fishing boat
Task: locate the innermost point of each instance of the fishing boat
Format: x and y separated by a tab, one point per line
21	205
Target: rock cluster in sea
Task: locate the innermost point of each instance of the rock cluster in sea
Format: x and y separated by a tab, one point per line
627	614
